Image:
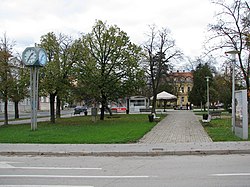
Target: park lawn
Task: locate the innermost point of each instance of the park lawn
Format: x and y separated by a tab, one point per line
221	130
81	130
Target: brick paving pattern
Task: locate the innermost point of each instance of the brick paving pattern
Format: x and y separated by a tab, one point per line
180	126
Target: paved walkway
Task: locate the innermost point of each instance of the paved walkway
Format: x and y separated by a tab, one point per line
180	126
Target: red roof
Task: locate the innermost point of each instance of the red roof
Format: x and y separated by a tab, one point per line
182	74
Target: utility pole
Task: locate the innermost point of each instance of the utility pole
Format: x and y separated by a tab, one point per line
233	53
208	104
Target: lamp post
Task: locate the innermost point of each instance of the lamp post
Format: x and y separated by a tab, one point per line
233	53
208	104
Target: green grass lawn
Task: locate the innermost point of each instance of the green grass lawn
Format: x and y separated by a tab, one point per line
221	130
80	129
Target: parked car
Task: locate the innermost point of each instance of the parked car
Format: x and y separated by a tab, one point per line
79	109
119	109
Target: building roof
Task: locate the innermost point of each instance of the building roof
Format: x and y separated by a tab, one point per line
182	74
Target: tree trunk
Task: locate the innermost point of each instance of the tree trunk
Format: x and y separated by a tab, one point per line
102	112
58	105
16	110
153	104
6	112
103	102
52	108
154	99
127	111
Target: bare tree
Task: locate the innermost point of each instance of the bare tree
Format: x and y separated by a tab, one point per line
232	32
160	49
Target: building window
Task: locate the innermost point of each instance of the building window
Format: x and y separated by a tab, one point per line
138	102
189	89
182	89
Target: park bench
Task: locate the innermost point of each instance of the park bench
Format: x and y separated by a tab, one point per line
113	110
145	110
215	114
79	109
77	112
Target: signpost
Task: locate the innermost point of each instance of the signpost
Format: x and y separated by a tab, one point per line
239	105
241	117
34	58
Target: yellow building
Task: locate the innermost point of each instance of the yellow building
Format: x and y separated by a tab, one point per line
183	83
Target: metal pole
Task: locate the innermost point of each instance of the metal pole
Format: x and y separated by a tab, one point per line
233	92
34	96
233	53
208	104
31	98
34	99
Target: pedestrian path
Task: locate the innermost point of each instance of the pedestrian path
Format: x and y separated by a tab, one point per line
180	126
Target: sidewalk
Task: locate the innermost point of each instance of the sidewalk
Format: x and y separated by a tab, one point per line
180	126
25	121
180	133
209	148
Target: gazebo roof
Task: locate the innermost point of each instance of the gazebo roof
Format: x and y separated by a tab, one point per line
165	96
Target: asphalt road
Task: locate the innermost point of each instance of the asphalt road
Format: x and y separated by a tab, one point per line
214	170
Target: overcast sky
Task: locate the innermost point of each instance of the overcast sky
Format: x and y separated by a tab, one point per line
25	21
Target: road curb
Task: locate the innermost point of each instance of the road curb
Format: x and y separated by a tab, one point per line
124	154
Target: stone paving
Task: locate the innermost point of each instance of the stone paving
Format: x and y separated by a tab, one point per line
180	126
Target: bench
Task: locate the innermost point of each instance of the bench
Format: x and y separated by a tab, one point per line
77	112
215	114
145	110
113	110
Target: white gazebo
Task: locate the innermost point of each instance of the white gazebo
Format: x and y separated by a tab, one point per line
165	96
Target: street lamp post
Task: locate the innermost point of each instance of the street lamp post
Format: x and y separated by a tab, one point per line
208	104
233	53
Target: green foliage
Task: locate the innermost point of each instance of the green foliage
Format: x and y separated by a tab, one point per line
199	90
109	66
126	129
6	75
5	67
21	81
56	76
50	80
222	85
